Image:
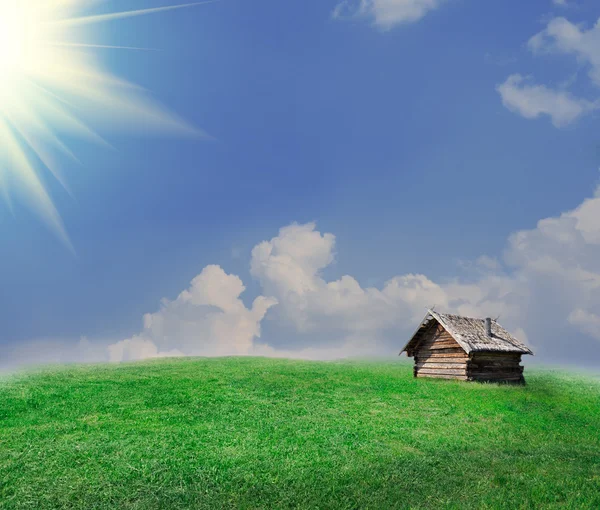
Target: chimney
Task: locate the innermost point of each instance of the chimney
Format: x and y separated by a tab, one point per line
488	327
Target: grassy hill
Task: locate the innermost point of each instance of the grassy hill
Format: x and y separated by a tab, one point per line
264	433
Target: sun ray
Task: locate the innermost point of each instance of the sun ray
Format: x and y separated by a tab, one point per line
99	18
103	46
38	196
53	85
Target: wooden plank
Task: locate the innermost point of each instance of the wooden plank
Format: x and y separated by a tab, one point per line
440	371
450	353
462	362
462	366
507	378
448	371
433	340
440	376
441	353
443	345
440	359
476	368
446	343
496	355
459	361
495	369
449	341
496	362
427	345
436	348
495	375
439	338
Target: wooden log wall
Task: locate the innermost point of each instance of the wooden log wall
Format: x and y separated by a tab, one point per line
495	367
438	355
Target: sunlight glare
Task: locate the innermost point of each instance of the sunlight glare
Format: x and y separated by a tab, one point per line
13	39
52	84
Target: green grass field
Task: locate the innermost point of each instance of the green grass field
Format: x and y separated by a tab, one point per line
264	433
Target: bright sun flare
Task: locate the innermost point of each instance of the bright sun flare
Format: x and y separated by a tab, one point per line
53	86
13	35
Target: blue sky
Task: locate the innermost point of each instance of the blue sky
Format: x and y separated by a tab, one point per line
394	138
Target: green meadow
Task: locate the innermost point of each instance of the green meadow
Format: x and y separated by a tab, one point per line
269	433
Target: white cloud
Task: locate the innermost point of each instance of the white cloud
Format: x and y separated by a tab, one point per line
560	3
386	13
548	277
559	263
562	36
561	253
289	268
207	319
532	101
137	348
545	288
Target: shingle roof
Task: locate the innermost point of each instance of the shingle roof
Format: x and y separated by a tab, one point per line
470	334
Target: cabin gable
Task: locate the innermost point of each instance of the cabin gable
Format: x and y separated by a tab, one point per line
437	354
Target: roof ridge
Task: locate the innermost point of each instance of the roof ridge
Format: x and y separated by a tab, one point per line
465	317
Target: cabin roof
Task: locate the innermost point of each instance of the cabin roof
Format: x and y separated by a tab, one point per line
470	334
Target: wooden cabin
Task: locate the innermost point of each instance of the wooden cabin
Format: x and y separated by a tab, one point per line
454	347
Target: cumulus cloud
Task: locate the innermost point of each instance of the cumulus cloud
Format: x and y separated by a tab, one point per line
560	36
386	14
547	277
545	287
560	3
207	319
532	101
339	312
136	348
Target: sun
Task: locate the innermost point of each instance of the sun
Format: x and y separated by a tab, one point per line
13	37
20	33
54	86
